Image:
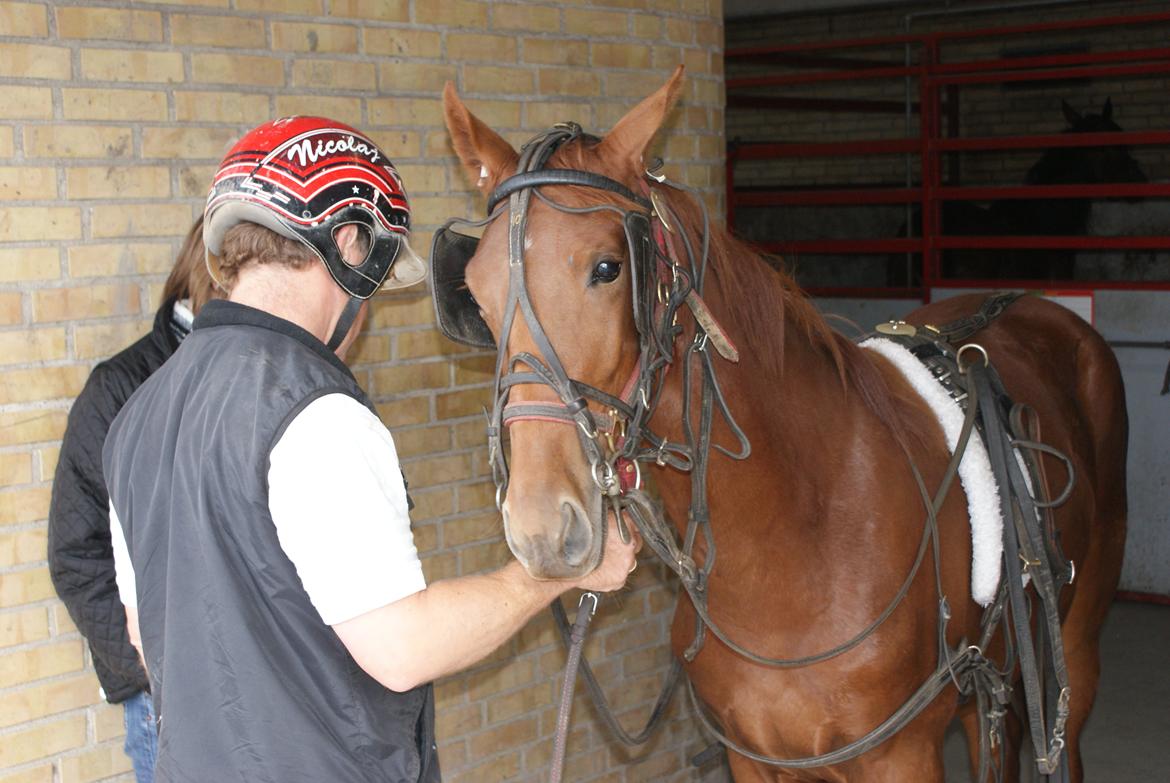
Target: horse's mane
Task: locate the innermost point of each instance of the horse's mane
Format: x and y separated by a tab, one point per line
767	301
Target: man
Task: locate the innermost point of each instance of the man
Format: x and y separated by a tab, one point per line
81	561
284	618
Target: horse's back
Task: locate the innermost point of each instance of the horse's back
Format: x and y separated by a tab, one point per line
1051	359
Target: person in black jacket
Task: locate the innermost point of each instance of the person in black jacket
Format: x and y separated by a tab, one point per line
81	560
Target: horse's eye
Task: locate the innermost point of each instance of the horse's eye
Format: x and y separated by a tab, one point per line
606	271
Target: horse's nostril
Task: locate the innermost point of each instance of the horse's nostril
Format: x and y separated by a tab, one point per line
577	534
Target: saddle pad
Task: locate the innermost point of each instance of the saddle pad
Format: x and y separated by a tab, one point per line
974	470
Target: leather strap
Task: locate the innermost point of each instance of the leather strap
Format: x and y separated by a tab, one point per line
541	177
345	322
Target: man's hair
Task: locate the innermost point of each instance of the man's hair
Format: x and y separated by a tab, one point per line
189	278
249	243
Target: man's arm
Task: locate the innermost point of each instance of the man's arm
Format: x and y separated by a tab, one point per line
338	502
455	622
81	562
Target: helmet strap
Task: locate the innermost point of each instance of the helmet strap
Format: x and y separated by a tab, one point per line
345	322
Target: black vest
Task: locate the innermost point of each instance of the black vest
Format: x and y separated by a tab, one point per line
250	684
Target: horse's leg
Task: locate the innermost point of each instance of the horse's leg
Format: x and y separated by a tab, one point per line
1102	403
1083	657
1013	731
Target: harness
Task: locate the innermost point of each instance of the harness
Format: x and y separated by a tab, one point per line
667	272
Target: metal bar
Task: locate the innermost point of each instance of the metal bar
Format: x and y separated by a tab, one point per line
1025	242
839	197
1043	285
1049	27
1159	344
1053	60
828	149
955	35
1141	597
844	246
798	60
797	103
818	78
1110	190
1107	139
929	126
729	163
1085	72
868	293
813	46
951	108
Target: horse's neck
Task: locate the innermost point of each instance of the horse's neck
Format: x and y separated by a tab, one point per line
796	418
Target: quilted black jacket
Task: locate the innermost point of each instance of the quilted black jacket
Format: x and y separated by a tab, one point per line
81	559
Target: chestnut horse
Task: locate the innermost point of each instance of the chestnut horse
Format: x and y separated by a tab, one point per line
817	529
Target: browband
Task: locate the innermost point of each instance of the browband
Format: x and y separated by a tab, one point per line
530	179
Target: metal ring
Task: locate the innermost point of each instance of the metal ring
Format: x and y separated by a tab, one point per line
500	498
973	347
604	483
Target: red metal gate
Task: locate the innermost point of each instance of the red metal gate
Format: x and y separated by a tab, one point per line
938	85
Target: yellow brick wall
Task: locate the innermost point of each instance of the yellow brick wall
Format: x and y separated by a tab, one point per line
112	117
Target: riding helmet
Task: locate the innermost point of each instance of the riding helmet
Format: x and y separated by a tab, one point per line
304	177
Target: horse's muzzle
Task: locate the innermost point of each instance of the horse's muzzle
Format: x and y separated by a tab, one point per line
567	549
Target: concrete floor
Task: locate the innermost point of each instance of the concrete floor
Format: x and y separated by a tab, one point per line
1127	739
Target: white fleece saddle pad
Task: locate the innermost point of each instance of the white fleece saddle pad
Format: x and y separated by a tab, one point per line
974	469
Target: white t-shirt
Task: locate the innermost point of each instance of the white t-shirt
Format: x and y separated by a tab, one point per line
336	496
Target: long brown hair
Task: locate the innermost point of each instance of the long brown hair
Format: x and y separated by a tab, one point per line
189	278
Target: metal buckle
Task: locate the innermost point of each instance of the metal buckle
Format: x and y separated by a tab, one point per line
660	208
590	596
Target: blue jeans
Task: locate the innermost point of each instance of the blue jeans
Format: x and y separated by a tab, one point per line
141	735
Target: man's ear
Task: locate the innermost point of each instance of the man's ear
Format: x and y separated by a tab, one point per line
486	157
352	242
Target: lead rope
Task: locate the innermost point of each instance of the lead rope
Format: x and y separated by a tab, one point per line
586	608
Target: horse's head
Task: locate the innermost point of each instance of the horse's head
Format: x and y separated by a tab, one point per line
1095	165
555	280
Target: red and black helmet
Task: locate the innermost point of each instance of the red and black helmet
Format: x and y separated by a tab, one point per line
304	177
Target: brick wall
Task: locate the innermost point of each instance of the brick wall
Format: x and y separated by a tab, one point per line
112	117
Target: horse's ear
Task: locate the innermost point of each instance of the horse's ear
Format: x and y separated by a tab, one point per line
1071	115
484	153
633	133
1107	110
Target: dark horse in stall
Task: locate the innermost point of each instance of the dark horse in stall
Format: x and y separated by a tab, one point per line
816	530
1036	216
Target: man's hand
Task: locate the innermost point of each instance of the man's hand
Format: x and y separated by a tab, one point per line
617	561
